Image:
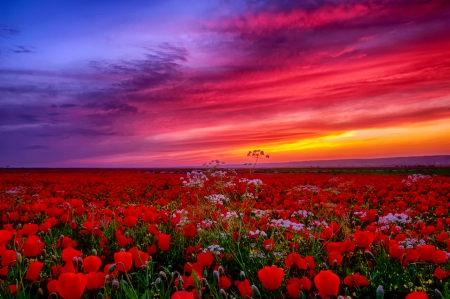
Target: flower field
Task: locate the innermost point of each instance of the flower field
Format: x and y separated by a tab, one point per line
218	234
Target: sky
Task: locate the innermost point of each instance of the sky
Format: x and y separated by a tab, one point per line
179	83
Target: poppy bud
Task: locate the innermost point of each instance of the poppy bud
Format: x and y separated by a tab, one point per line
19	257
335	263
242	275
256	290
403	258
216	275
162	274
180	282
112	268
158	281
41	291
75	262
204	281
205	273
223	293
115	285
94	251
172	275
380	292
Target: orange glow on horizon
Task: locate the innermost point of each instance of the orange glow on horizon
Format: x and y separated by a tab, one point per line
432	138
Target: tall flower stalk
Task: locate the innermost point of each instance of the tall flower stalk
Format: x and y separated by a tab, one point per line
255	154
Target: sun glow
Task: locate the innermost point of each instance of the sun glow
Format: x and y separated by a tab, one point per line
432	136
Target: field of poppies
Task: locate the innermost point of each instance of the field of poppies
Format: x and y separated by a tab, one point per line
218	234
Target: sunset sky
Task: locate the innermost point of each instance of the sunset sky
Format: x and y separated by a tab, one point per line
177	83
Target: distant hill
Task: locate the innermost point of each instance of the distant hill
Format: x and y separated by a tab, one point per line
437	161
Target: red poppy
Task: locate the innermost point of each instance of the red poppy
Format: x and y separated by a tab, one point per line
440	273
163	241
4	271
295	259
9	258
52	286
71	285
34	270
396	250
245	289
363	239
140	258
427	253
417	295
189	231
69	253
5	236
123	260
440	257
356	280
32	246
412	255
334	246
30	229
56	271
327	283
66	242
224	282
295	285
311	264
91	264
442	237
348	246
153	229
197	267
130	221
334	257
13	288
205	258
151	249
95	280
271	277
151	216
182	295
14	216
123	240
